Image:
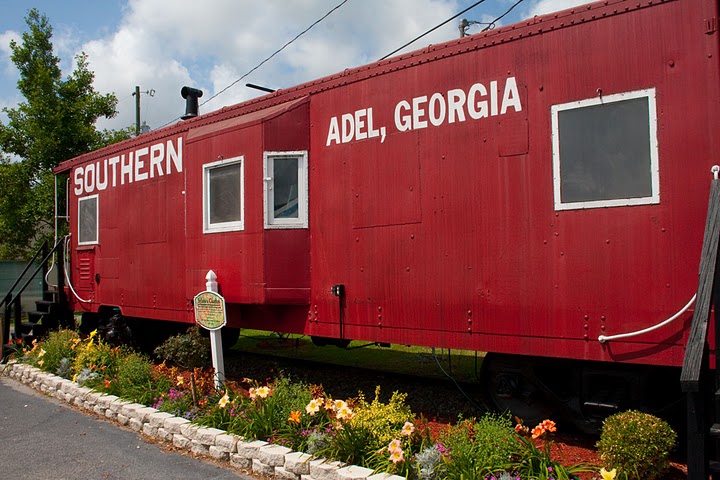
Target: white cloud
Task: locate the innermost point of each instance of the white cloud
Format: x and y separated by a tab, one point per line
541	7
211	46
8	68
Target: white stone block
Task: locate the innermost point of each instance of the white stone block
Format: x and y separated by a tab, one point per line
181	441
144	413
189	430
135	424
239	461
206	436
273	455
353	472
227	442
164	435
198	448
282	474
298	463
261	469
150	430
324	469
122	419
158	419
172	424
219	454
385	476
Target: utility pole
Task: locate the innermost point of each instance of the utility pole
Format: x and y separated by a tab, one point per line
139	128
137	110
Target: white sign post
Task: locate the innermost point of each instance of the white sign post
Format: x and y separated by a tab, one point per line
210	314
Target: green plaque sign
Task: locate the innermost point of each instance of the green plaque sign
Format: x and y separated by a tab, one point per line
210	310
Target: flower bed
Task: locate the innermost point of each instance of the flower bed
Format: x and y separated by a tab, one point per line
285	429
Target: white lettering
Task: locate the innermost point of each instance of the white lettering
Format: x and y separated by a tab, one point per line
493	99
372	133
101	185
402	122
133	167
174	155
113	161
126	169
456	101
157	152
436	109
90	177
419	112
139	164
360	124
78	179
348	127
511	97
333	132
477	108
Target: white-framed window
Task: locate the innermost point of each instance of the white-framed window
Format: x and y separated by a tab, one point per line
223	195
88	220
605	151
286	189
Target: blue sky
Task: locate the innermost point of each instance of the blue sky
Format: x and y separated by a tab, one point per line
165	44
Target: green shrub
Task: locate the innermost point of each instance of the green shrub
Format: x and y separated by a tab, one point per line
57	346
478	448
136	381
96	356
637	444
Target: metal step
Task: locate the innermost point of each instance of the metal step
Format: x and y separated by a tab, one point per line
715	430
44	305
35	316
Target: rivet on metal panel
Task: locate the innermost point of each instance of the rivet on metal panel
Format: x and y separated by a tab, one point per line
602	327
407	269
607	241
469	313
362	269
315	308
585	337
585	326
412	236
379	309
380	317
469	329
587	317
562	254
357	239
602	318
671	64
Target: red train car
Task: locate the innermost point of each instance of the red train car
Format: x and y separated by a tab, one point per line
520	192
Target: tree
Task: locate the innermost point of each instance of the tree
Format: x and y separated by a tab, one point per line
56	122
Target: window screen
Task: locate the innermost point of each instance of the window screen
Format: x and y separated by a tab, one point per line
88	220
223	195
285	189
605	153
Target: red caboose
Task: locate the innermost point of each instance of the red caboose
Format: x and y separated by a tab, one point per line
520	192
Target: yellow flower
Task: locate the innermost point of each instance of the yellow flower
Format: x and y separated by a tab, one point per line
339	404
329	405
262	392
42	352
252	393
224	400
294	417
608	475
408	429
74	377
344	413
93	333
40	363
180	380
314	406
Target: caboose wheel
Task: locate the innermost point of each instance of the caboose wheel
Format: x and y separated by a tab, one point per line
512	385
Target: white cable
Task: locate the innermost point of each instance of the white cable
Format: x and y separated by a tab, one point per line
67	278
605	338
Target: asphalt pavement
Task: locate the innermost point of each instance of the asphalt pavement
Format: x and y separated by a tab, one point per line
42	438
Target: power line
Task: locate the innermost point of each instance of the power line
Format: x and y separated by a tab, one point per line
432	29
278	50
268	58
501	16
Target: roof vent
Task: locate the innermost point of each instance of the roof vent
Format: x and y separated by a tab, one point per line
191	96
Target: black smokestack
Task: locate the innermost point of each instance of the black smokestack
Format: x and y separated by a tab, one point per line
191	96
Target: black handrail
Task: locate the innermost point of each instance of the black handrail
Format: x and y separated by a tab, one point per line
43	262
27	267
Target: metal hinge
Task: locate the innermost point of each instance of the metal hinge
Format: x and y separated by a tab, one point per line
711	25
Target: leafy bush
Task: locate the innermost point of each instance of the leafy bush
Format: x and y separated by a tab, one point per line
190	351
57	346
637	444
479	448
135	380
97	357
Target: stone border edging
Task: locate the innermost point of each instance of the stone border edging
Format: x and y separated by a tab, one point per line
257	456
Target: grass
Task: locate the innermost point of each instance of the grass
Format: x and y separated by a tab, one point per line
462	365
